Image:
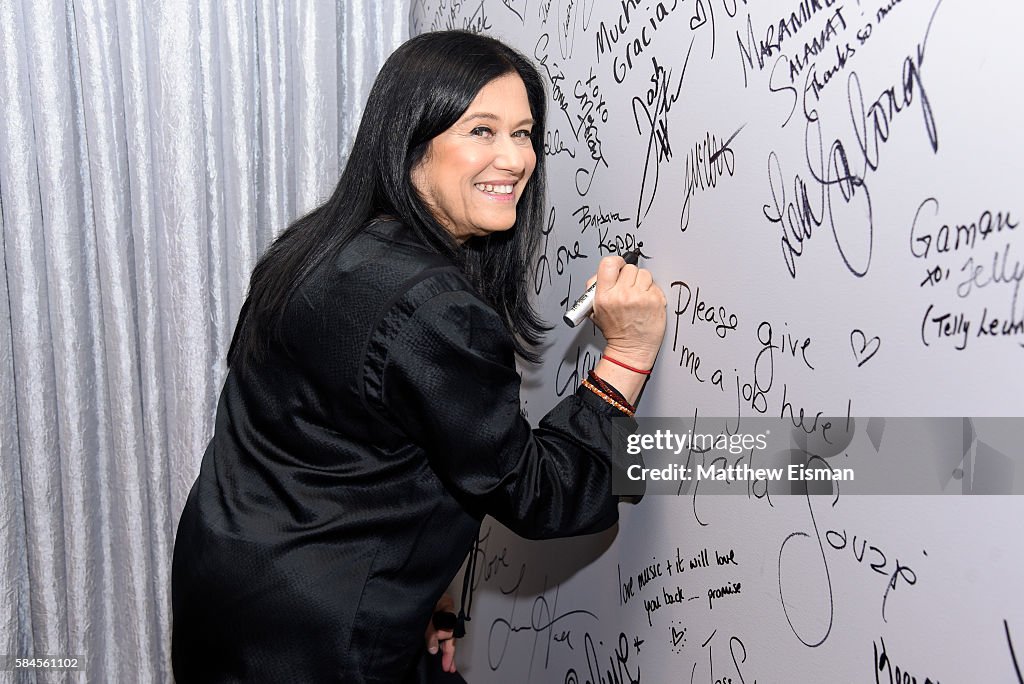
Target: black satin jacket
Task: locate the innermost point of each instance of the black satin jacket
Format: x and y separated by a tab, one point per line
348	474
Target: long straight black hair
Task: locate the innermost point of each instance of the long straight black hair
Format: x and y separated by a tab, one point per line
424	87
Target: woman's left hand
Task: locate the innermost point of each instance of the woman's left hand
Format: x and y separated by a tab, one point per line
442	639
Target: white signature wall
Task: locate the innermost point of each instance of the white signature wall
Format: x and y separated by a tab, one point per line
829	192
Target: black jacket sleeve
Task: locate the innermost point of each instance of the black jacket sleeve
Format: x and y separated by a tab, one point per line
450	383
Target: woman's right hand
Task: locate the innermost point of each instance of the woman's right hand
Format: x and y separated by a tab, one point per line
630	310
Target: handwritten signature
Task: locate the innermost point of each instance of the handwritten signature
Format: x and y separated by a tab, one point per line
654	108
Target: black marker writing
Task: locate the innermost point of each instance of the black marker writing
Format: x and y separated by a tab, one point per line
655	106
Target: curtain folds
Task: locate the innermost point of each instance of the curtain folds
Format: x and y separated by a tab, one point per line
149	151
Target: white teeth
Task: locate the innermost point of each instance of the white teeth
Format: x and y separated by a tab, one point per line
497	189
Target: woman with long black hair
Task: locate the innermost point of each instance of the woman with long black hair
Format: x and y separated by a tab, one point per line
370	416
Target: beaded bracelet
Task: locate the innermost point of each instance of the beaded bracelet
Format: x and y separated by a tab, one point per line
610	390
589	385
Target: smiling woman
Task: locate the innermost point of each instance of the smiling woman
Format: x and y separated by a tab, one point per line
370	416
474	173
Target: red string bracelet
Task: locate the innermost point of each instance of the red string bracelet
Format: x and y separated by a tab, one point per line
619	363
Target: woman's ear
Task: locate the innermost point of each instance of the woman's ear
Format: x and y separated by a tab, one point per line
418	173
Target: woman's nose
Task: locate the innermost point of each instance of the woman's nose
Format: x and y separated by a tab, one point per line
511	155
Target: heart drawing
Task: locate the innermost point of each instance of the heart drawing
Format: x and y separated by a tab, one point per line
700	17
863	348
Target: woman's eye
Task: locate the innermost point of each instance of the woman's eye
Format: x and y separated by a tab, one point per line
481	131
522	134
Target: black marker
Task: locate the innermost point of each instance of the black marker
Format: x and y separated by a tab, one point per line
585	304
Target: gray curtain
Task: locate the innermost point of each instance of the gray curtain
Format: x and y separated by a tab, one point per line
149	151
